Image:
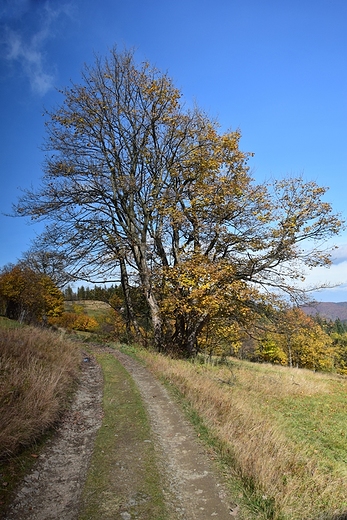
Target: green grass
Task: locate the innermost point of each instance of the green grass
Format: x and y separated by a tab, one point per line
319	425
123	477
6	323
279	432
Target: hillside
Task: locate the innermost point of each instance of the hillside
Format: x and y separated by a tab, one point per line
329	310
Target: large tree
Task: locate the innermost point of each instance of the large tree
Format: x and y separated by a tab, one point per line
137	187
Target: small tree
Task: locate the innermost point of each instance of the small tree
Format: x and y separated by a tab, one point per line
29	296
297	340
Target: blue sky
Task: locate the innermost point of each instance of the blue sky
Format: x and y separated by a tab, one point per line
275	69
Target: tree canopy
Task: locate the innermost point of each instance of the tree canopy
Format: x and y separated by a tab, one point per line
140	189
29	296
295	339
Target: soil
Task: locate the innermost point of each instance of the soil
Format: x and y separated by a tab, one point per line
53	488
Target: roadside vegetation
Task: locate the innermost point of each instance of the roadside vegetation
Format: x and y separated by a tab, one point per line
280	431
38	371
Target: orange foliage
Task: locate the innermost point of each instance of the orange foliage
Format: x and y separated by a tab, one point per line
74	321
29	296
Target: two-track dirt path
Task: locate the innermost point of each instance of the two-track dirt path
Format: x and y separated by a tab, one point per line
194	491
191	487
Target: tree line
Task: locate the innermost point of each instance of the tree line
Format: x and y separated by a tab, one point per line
101	293
286	337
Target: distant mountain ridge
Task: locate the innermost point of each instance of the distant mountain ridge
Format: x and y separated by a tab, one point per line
328	310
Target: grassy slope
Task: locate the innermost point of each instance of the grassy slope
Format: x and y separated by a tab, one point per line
94	309
282	430
37	373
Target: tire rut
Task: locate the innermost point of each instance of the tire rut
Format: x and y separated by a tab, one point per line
190	484
193	488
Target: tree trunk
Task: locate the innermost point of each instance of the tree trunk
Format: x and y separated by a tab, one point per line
131	317
191	346
185	338
145	276
290	358
156	322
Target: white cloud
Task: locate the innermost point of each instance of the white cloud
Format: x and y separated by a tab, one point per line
30	56
335	275
29	50
328	283
340	254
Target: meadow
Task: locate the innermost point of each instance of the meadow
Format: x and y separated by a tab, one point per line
279	432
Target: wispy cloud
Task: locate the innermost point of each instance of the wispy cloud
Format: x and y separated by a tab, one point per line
334	277
339	255
31	57
29	48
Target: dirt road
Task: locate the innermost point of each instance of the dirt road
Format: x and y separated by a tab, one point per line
53	489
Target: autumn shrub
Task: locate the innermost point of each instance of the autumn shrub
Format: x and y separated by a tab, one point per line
28	296
282	428
37	371
75	321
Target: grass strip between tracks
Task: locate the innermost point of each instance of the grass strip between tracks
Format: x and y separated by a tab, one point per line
123	480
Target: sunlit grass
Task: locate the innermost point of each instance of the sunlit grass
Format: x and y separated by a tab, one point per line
37	369
283	429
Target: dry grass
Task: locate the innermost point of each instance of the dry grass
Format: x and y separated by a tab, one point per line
92	308
37	369
248	408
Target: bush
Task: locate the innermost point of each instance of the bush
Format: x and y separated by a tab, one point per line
75	321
